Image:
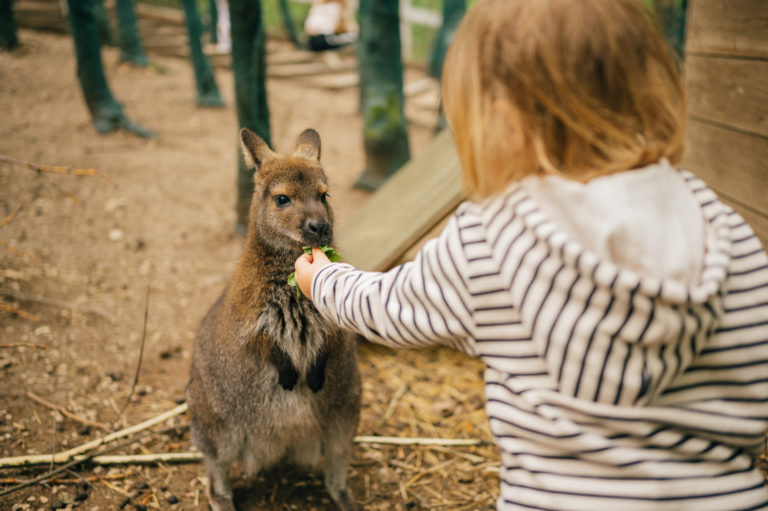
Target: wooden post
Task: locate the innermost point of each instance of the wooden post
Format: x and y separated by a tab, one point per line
385	134
8	33
672	14
105	110
453	12
207	90
131	50
249	63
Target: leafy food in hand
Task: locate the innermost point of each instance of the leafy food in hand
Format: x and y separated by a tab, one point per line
330	252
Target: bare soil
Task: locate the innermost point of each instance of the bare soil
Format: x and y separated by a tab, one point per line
84	256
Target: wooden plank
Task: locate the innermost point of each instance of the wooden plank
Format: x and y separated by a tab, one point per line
404	208
154	12
732	163
731	92
731	27
307	69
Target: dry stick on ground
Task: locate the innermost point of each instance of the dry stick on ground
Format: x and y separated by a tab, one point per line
141	356
66	456
392	405
71	480
26	297
66	466
23	253
19	312
67	413
24	345
9	218
57	169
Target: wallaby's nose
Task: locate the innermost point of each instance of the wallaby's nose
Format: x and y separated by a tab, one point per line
318	228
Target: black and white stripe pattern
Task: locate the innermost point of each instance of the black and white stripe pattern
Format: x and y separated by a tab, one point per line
605	390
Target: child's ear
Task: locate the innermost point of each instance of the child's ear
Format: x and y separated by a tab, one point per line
307	145
255	150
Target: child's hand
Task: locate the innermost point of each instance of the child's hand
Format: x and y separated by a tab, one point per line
306	266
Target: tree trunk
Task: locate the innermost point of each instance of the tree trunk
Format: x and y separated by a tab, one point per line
250	70
8	33
207	90
105	110
130	45
385	135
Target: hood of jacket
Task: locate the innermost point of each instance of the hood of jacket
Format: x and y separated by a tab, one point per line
632	279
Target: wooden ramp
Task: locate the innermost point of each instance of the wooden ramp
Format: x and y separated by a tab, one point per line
405	208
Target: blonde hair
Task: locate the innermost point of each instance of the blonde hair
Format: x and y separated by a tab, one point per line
588	88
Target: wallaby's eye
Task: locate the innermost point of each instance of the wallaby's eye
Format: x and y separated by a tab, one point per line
324	197
282	200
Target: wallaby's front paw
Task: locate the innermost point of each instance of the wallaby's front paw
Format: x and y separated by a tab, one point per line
287	377
316	376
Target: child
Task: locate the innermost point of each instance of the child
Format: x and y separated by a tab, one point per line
620	308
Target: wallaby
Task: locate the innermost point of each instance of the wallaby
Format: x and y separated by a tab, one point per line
271	381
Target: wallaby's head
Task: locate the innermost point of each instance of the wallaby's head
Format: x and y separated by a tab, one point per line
289	208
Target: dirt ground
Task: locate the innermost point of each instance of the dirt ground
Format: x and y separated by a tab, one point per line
79	255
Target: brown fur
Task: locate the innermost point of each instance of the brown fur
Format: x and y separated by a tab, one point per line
271	380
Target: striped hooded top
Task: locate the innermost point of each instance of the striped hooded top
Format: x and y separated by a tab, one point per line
616	378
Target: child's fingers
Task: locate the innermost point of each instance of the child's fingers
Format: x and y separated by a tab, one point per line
319	257
306	266
303	262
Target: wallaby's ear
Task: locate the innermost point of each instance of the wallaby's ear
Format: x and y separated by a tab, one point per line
307	146
255	150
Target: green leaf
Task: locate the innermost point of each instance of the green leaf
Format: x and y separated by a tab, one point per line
330	252
292	282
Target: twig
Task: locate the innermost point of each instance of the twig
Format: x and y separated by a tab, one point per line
24	253
453	452
389	440
24	345
61	469
392	405
64	411
57	169
66	456
25	297
146	459
141	356
10	217
429	470
71	480
19	312
68	195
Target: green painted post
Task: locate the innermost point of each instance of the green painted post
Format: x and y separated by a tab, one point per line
249	63
213	21
102	20
131	50
9	38
106	111
453	12
207	90
290	26
673	14
385	134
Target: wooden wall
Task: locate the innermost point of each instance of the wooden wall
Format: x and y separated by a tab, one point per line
726	77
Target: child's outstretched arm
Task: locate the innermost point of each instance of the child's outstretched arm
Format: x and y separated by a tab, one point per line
419	303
